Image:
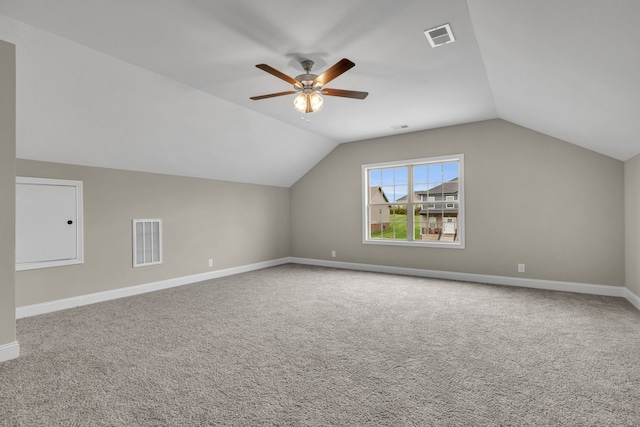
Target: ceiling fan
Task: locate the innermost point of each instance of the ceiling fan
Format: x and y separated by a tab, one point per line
309	86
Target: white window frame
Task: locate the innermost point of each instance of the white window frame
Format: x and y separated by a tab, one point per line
411	203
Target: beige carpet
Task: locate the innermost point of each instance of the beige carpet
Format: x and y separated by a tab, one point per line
308	346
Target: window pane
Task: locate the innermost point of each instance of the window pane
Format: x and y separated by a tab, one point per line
429	227
416	224
434	173
388	222
388	193
420	174
400	176
449	228
400	193
450	171
375	177
378	220
398	223
419	189
387	176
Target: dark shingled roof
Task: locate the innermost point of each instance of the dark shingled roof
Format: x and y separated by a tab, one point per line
449	187
438	211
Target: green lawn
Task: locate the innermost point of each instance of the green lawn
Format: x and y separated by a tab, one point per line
398	228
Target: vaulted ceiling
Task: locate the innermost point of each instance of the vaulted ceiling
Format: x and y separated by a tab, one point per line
566	68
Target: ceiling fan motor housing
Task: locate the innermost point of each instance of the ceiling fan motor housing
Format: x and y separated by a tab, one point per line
306	85
305	81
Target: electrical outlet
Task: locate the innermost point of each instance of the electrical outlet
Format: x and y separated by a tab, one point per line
333	254
210	263
520	268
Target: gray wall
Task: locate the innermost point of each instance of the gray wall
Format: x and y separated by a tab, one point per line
530	199
632	224
234	224
7	191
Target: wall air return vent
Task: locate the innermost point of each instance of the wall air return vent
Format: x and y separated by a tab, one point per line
147	242
440	35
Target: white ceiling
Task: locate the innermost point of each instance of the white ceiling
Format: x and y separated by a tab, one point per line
566	68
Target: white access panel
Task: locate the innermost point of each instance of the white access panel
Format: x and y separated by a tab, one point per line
48	223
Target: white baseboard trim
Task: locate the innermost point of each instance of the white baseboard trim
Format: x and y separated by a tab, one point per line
632	298
63	304
9	351
582	288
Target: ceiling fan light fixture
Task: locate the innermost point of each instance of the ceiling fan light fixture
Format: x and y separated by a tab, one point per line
300	102
316	102
308	103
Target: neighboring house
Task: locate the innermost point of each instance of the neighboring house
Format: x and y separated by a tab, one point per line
403	200
439	215
379	215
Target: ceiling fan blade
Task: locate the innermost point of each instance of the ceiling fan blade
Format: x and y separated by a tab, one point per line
340	67
272	95
345	93
269	69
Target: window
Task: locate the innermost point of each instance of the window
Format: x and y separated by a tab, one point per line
147	242
429	199
394	195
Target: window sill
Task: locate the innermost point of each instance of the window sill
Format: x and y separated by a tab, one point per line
415	243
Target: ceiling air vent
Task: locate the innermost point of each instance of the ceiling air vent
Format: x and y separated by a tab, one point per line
440	35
